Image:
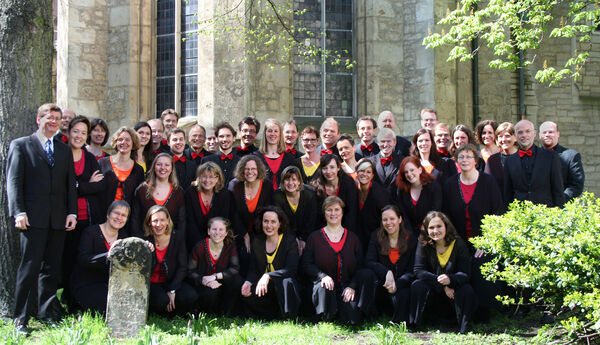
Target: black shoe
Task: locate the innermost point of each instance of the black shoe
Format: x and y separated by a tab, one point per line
49	322
22	329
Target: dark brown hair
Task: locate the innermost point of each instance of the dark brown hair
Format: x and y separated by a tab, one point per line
451	233
382	235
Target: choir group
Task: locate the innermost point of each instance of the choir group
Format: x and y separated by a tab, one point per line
345	230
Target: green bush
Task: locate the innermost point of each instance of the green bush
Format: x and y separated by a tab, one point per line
554	252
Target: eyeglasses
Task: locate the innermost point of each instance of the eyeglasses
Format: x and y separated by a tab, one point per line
248	131
309	140
462	158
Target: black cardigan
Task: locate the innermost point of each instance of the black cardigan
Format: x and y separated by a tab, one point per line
458	267
200	264
285	263
487	199
348	194
429	200
287	160
319	259
141	204
369	217
93	192
175	261
244	219
92	266
381	264
196	222
135	178
303	221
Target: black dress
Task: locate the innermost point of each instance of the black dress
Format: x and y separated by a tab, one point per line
403	275
142	203
369	213
344	267
429	200
303	221
135	178
221	205
283	292
426	287
347	192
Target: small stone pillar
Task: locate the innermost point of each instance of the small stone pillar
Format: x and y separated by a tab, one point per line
128	286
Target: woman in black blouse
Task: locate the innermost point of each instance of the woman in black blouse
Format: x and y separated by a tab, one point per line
89	281
272	151
507	141
391	255
298	203
214	269
417	193
332	261
271	289
206	199
168	292
443	270
330	180
372	197
425	150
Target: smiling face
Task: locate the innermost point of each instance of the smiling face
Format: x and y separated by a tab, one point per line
270	224
291	184
250	171
247	134
78	135
487	136
225	138
329	134
549	134
525	134
429	120
157	130
177	143
334	214
424	143
390	222
387	145
309	142
170	121
412	173
460	138
387	121
117	218
208	180
365	176
345	149
365	131
212	144
290	134
272	134
466	160
163	168
197	138
49	122
159	223
442	138
124	143
506	141
144	133
331	170
67	116
436	229
217	231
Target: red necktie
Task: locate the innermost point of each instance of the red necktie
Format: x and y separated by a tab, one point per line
292	151
196	155
224	156
365	147
179	159
385	160
326	152
64	139
164	142
525	153
443	152
241	149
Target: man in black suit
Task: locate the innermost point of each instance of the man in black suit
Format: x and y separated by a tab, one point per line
42	197
534	173
330	132
386	120
196	138
226	158
387	161
366	127
248	129
184	168
572	173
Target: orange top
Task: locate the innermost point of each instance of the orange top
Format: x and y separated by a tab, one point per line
162	202
122	175
484	155
251	203
394	255
428	168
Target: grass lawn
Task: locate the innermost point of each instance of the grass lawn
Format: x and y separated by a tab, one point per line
86	329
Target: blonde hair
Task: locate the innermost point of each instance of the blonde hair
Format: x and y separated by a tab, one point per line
263	143
152	211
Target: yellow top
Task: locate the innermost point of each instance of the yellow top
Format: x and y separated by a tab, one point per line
443	258
294	207
142	164
309	171
271	257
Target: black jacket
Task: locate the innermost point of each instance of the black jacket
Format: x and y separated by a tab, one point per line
303	221
285	263
458	267
381	264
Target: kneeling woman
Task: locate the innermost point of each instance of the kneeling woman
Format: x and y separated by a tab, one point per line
391	255
443	269
271	288
168	292
214	269
89	281
331	260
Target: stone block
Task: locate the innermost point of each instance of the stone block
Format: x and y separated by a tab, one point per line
118	16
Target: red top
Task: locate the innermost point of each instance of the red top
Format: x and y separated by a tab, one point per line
162	202
274	164
252	203
213	261
337	248
394	255
204	208
360	203
159	275
101	156
107	245
82	211
414	201
467	194
122	175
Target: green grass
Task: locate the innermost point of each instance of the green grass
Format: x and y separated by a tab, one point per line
87	329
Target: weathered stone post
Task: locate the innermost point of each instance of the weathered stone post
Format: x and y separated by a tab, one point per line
128	286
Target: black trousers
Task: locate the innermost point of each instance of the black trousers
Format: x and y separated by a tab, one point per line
329	303
281	301
396	304
465	302
41	253
222	300
185	298
486	290
92	297
69	259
